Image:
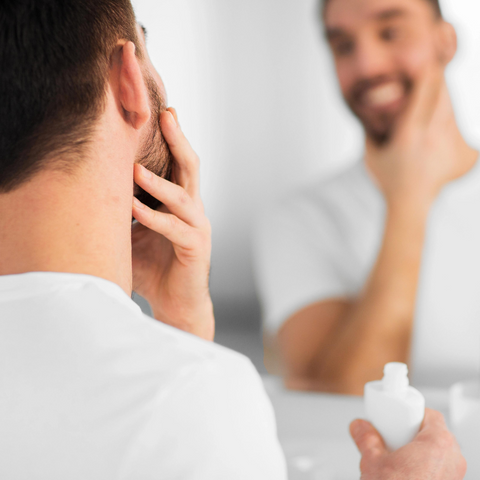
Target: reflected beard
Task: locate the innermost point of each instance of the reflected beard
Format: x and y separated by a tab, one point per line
381	130
379	127
154	153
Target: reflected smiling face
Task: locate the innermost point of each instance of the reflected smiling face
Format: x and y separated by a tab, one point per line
153	153
380	48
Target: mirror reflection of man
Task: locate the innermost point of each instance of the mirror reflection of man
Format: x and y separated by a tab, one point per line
379	263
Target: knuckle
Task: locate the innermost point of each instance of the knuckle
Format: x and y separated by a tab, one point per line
444	441
171	222
365	464
206	226
198	240
371	462
437	416
436	413
207	230
148	216
202	241
183	230
440	417
183	197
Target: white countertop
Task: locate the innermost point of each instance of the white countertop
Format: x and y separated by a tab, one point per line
313	430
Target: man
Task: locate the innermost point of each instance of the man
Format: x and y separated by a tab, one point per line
90	387
340	261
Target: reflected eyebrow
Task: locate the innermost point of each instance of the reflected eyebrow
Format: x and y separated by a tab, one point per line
392	13
333	33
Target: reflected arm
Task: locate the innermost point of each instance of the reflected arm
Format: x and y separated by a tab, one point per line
337	345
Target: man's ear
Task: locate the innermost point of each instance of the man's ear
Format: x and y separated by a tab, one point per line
447	42
133	91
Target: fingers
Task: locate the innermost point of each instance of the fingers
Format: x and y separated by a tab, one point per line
368	440
187	162
441	443
433	419
174	197
425	97
166	224
434	428
173	112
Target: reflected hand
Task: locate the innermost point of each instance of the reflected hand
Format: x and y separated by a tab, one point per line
171	247
432	455
420	158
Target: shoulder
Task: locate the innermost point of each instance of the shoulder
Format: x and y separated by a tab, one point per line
189	348
351	182
324	202
215	420
116	324
173	350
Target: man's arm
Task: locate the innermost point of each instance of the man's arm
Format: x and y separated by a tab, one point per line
432	455
338	345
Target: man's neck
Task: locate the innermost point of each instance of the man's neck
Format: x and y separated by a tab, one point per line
465	155
80	224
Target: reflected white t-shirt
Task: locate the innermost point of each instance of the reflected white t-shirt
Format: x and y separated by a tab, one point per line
91	388
321	242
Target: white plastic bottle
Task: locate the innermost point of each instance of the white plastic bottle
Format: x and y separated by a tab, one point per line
394	408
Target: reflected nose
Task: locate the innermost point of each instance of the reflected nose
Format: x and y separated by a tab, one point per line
372	59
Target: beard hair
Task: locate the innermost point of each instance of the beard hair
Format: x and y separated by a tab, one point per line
154	153
381	130
380	136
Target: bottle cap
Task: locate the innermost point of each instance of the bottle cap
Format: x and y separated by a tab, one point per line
395	379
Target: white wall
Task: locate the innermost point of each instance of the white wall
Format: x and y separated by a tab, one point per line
255	91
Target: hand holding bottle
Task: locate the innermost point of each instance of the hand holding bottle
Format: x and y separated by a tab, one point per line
433	454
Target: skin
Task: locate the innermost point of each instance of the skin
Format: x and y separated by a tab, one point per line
413	148
432	455
47	224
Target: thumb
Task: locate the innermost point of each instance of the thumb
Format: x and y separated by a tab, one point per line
368	440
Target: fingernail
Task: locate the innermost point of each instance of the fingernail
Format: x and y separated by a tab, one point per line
173	118
137	203
146	173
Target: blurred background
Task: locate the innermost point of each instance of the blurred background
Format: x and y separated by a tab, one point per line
254	87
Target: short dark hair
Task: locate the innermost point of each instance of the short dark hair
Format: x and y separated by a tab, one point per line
434	3
54	64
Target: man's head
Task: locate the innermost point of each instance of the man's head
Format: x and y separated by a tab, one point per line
55	64
381	49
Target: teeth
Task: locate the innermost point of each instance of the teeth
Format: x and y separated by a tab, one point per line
383	94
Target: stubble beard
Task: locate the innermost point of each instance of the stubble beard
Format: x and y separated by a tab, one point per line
154	153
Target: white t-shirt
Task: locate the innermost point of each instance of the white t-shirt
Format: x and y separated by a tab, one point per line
91	388
321	242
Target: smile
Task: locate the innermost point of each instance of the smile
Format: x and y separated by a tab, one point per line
383	95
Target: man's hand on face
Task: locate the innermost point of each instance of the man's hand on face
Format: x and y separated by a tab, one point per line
420	157
171	247
432	455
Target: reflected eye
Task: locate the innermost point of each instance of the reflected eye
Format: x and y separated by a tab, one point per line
343	48
389	34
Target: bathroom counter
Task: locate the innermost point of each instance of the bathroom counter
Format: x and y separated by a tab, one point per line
313	430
